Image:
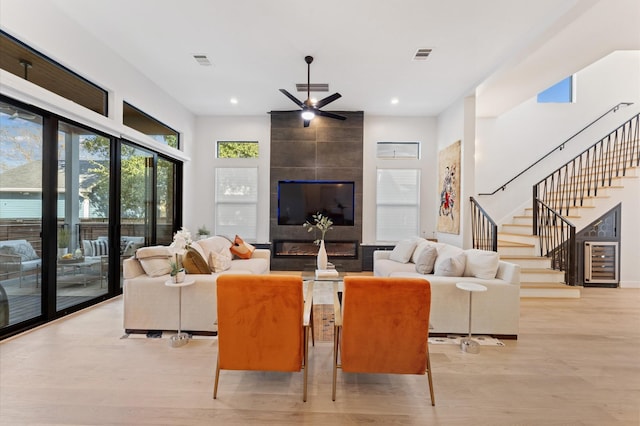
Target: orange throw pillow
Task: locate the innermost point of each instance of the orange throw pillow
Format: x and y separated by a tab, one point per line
242	249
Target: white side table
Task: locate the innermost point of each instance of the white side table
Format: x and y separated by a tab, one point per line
467	344
181	338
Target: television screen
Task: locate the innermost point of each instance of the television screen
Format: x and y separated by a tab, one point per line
298	201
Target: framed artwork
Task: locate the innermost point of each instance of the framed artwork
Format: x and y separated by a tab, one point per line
449	189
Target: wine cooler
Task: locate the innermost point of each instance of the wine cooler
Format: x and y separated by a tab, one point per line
601	262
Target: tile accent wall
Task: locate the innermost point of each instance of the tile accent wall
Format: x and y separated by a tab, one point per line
326	150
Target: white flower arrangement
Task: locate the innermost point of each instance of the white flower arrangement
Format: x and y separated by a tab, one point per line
322	223
181	240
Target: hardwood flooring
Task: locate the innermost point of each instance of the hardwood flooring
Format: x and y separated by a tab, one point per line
576	362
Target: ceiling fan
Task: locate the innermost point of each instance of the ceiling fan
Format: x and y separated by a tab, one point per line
308	108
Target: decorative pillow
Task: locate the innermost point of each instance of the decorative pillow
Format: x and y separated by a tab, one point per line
421	245
219	262
99	247
446	251
481	264
86	248
25	251
402	251
197	247
216	243
241	249
451	266
156	261
426	260
193	263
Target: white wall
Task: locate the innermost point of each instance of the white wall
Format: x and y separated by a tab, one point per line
457	123
509	143
199	176
399	129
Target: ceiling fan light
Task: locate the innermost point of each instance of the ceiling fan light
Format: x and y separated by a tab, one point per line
308	115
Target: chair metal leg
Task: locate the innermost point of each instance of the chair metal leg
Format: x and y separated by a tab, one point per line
306	364
433	398
215	384
313	332
336	342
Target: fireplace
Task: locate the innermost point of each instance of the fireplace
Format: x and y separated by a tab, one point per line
298	249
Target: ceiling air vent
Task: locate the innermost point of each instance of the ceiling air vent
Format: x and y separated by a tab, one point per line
313	87
202	60
422	54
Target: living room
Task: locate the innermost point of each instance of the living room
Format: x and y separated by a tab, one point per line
487	118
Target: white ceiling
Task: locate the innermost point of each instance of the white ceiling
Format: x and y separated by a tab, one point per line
362	48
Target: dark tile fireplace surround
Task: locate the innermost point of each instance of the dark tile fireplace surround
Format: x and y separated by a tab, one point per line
326	150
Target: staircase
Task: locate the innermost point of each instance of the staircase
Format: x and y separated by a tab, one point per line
569	199
517	244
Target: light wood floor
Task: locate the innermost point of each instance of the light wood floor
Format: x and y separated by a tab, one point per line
577	362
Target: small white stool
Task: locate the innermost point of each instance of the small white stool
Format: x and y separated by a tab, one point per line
467	344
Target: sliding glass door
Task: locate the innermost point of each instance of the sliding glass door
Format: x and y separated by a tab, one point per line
83	173
21	143
73	204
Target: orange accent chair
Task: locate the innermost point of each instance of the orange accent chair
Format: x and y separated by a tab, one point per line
263	324
382	326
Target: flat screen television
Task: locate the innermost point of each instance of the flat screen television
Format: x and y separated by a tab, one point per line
299	200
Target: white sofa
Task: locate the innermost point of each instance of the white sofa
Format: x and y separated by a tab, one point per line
496	312
151	305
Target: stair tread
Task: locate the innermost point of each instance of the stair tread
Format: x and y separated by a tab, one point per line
548	285
504	243
522	256
540	271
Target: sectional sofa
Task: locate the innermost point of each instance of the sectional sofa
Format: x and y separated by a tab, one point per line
151	305
496	312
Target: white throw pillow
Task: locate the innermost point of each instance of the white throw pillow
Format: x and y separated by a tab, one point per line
451	266
156	261
426	260
445	251
216	244
421	245
402	251
219	262
481	264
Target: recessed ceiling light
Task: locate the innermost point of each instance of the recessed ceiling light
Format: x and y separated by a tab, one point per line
394	101
233	100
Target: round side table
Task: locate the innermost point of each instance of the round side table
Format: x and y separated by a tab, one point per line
467	344
181	338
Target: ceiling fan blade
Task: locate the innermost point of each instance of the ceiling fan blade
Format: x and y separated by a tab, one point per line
330	115
327	100
306	123
293	98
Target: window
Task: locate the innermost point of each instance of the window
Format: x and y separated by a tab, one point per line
21	60
398	150
561	92
236	198
237	149
136	119
397	204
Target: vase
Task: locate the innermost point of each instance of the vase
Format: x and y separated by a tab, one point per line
322	256
179	277
62	251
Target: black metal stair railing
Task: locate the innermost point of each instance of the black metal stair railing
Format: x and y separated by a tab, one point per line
484	231
557	238
570	186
